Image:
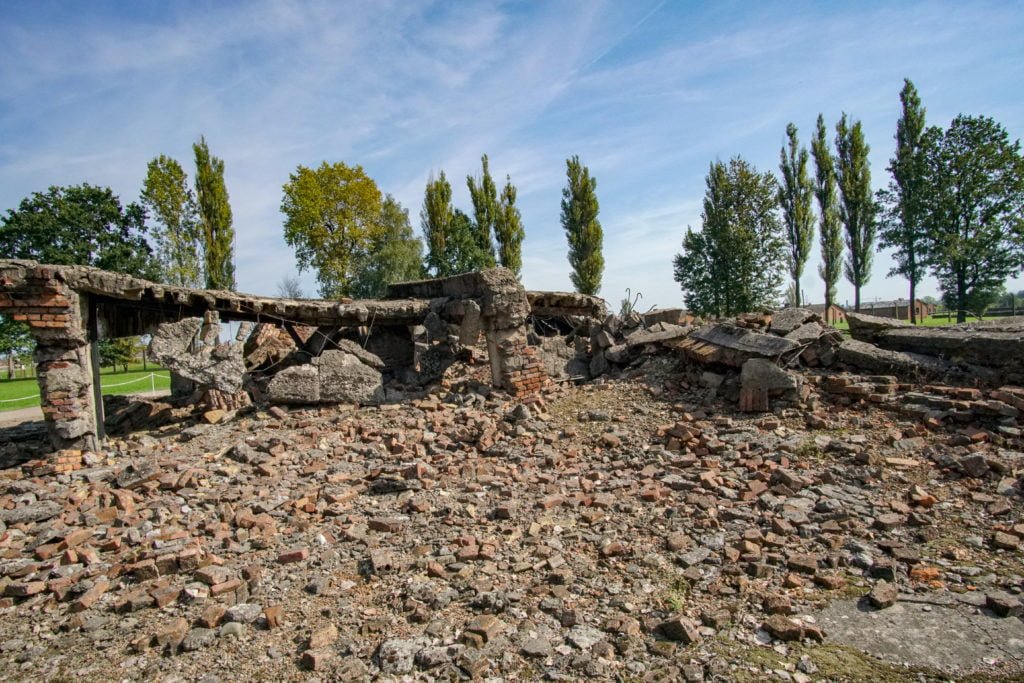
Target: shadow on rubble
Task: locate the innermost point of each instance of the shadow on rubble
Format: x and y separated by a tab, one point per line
22	443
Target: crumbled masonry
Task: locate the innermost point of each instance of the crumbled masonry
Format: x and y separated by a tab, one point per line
747	499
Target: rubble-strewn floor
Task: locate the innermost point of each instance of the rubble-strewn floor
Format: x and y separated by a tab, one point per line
467	534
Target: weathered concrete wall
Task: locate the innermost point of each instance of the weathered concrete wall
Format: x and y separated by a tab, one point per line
504	309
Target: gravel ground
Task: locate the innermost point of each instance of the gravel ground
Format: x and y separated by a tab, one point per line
635	529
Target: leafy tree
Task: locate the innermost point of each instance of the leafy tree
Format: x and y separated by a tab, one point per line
121	351
734	264
583	230
170	202
83	225
972	202
508	228
290	288
485	211
332	216
830	235
436	220
214	218
15	341
857	209
901	227
462	251
394	255
452	244
796	193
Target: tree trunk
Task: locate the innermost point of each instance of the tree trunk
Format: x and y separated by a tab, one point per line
961	298
856	298
913	302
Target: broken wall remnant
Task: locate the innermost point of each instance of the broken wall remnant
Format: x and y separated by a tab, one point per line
56	316
504	308
70	308
189	347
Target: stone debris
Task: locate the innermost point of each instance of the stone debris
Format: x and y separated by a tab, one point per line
635	526
191	348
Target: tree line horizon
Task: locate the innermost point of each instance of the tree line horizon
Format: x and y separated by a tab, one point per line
954	207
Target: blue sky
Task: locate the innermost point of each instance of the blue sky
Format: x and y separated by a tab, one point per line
647	93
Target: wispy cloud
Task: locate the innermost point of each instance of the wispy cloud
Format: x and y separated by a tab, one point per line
646	93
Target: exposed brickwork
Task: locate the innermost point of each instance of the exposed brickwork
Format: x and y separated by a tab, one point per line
753	400
38	296
61	462
53	301
522	370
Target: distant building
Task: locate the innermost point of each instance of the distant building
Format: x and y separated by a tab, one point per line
898	309
833	315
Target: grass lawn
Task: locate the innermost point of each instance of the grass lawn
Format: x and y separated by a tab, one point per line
135	380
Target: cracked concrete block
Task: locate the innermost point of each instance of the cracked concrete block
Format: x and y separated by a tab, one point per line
297	385
344	378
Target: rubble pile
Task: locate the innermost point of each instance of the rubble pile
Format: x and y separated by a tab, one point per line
642	528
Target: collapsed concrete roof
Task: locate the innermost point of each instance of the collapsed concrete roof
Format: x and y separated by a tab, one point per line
69	308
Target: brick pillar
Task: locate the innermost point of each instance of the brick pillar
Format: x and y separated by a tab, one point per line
54	313
514	364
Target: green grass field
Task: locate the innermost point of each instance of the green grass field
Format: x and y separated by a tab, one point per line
24	393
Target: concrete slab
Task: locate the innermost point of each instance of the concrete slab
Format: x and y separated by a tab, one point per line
947	637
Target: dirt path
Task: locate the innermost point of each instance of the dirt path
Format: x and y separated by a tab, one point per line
10	418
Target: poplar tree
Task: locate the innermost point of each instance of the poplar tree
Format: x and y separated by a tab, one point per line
484	195
901	227
170	202
857	208
796	193
436	220
508	230
830	235
583	230
734	264
214	218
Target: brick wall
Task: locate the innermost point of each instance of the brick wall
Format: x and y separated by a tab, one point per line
522	370
38	297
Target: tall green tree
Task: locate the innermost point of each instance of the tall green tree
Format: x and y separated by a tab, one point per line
332	218
452	240
120	351
508	228
583	230
435	221
972	204
796	194
484	195
462	251
394	254
857	209
171	204
83	225
901	228
215	219
830	236
735	263
15	340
